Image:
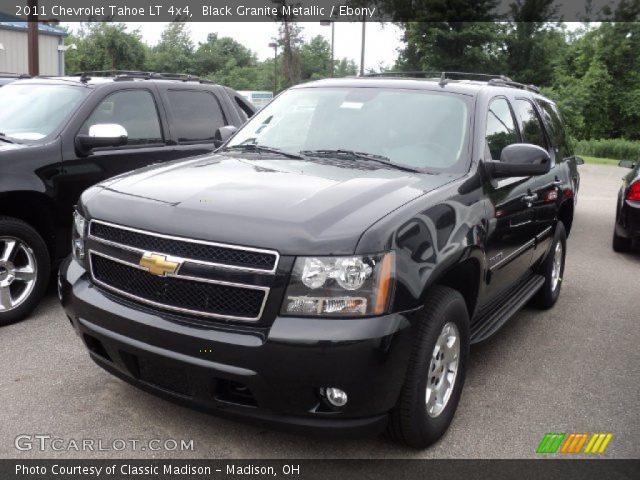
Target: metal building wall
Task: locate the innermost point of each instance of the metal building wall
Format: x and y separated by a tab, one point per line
13	58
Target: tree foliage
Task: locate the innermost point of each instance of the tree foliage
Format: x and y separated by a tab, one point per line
105	46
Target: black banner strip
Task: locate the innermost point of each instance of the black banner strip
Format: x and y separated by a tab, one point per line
310	10
548	469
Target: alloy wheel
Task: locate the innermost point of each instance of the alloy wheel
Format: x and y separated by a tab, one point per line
17	273
443	369
556	269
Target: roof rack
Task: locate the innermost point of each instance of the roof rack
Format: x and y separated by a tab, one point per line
14	75
121	75
444	77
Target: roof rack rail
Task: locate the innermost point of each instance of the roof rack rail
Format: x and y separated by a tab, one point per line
511	83
443	77
120	75
14	75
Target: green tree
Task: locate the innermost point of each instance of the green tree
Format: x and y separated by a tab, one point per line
315	58
105	46
174	51
218	54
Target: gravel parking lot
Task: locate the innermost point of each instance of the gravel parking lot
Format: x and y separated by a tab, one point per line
575	368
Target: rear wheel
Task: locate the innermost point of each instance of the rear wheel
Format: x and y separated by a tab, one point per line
620	244
553	270
436	371
24	269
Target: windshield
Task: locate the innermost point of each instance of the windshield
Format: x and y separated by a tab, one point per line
414	128
31	112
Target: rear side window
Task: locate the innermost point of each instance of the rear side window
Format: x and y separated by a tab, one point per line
532	131
555	127
197	115
135	110
501	129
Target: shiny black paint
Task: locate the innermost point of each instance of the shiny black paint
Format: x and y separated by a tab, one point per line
627	211
475	233
43	180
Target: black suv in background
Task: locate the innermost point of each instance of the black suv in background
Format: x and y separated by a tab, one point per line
627	227
59	136
330	265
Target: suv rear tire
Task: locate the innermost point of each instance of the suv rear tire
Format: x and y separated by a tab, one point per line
417	421
25	267
621	244
553	270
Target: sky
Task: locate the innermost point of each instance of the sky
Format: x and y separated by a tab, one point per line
381	46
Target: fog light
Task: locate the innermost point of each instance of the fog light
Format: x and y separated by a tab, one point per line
335	396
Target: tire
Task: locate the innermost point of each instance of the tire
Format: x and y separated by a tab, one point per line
410	422
550	291
25	267
621	244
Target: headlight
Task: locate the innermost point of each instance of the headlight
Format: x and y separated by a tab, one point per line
341	286
78	236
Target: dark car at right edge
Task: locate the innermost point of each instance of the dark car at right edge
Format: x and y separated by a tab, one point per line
328	267
627	227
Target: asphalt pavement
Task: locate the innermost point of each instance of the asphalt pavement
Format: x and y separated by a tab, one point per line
574	368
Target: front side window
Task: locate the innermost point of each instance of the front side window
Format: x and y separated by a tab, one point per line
135	110
197	115
33	111
501	129
532	131
416	128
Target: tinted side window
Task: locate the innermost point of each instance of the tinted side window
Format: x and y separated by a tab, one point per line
555	127
197	115
532	131
501	130
135	110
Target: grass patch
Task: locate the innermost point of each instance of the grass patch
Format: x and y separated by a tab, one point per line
600	161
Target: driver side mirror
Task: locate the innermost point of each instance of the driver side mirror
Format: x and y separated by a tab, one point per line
520	160
223	134
102	135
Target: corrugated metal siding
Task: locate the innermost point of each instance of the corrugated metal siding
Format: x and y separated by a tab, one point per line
14	56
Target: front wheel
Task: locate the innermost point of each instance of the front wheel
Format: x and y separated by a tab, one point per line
436	371
24	269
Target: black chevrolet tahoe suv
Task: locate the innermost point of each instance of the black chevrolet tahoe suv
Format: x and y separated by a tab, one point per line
329	266
59	136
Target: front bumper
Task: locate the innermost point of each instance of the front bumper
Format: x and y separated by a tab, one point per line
270	375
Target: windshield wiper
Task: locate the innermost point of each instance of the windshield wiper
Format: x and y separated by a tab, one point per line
354	154
4	138
253	147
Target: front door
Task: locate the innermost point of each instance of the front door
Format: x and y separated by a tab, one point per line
511	228
547	194
135	109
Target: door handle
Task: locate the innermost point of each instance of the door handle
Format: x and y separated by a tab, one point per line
557	183
530	198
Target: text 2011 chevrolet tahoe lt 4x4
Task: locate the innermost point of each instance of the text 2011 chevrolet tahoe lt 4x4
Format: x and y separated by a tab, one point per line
329	266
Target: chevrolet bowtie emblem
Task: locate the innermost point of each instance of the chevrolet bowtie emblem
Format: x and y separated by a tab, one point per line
158	264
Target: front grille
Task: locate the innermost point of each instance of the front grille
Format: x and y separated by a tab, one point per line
191	296
184	248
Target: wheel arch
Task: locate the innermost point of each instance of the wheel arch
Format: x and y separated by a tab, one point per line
33	208
464	276
565	214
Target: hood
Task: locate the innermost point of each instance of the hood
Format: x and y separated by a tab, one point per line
6	147
293	206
